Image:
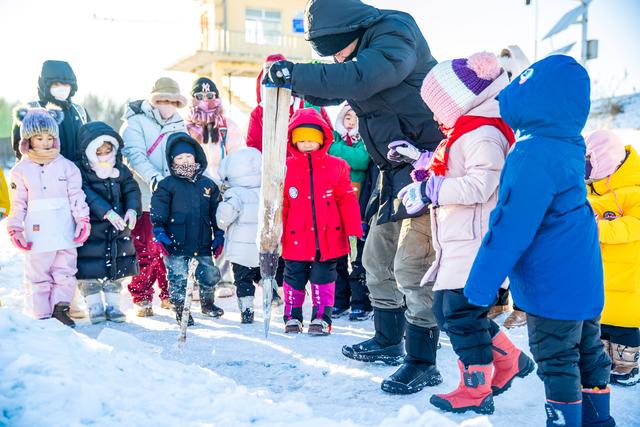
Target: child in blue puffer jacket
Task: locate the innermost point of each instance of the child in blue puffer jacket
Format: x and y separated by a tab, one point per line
543	236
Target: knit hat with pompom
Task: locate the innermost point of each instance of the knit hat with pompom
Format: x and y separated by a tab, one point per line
452	88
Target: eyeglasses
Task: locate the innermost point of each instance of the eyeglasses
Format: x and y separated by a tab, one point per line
209	95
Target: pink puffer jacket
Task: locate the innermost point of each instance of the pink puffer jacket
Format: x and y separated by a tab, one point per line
46	202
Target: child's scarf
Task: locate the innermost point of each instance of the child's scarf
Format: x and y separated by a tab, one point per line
43	156
464	125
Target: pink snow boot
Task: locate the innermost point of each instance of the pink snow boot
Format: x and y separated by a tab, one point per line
508	363
322	297
293	301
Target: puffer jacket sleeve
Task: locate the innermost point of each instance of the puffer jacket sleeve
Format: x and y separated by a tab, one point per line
356	155
135	150
347	202
77	198
214	202
97	204
388	59
228	209
4	196
625	229
130	191
526	192
18	197
161	205
483	162
254	131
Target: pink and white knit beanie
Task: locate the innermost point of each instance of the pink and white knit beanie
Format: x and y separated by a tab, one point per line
452	87
606	151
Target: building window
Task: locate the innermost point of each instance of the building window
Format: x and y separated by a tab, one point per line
262	27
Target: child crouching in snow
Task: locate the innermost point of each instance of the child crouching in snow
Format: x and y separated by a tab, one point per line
183	213
113	197
237	215
49	217
461	183
320	212
543	236
613	178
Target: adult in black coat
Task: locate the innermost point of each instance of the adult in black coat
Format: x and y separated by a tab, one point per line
70	116
381	61
108	253
382	85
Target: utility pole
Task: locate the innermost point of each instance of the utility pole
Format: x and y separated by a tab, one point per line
585	42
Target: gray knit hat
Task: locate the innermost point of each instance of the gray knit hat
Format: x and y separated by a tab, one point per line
38	121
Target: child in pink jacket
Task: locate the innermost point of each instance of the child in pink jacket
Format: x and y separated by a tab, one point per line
49	218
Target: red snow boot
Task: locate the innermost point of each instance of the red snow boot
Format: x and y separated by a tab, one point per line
473	392
509	362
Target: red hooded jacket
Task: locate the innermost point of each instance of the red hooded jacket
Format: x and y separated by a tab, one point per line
254	131
320	208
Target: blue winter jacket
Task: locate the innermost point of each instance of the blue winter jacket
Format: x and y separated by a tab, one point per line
542	233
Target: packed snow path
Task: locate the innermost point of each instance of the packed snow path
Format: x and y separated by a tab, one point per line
133	374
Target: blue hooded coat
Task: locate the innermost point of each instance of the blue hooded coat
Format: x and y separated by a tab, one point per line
542	234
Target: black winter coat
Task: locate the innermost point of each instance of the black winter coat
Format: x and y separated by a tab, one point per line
74	115
382	85
186	208
108	253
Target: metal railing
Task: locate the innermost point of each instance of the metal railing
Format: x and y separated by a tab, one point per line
243	43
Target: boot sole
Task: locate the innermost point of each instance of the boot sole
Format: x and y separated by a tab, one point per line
523	372
485	408
369	358
394	387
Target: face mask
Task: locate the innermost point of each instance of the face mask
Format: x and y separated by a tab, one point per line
167	110
209	104
61	93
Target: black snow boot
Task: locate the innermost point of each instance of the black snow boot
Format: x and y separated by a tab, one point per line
61	314
419	368
179	307
207	306
386	345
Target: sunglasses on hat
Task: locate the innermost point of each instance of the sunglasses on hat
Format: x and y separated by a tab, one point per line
209	95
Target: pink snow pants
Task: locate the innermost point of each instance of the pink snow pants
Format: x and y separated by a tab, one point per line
52	279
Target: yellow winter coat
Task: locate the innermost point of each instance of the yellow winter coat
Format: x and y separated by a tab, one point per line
4	196
618	198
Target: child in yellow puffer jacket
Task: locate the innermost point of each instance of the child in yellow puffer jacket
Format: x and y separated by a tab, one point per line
613	180
4	196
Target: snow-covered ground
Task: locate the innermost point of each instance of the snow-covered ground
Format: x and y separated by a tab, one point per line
228	374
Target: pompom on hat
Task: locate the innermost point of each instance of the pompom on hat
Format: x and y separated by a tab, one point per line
606	152
167	89
452	88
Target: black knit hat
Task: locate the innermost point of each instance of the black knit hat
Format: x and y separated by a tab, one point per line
182	147
331	44
204	84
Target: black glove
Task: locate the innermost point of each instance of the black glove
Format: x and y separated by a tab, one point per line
279	74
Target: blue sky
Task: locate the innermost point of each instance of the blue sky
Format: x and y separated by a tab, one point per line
121	58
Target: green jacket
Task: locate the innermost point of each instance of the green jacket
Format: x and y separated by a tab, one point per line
356	156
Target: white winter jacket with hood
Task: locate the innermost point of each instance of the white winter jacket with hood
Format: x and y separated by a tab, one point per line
237	214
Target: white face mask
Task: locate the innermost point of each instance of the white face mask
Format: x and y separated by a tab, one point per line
166	110
61	93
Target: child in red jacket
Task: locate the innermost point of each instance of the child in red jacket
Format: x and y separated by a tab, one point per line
320	212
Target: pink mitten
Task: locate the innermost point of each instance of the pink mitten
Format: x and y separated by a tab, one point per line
18	240
83	229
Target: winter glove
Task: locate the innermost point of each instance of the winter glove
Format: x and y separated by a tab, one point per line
402	151
131	218
153	185
279	74
19	241
414	197
365	230
353	248
433	188
115	220
161	239
218	243
83	229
